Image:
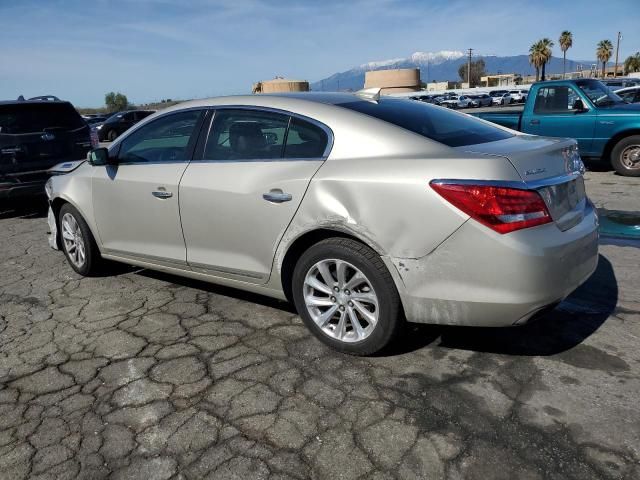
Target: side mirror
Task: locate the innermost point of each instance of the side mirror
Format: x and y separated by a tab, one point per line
98	157
578	106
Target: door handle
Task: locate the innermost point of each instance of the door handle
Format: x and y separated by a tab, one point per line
534	122
162	194
277	196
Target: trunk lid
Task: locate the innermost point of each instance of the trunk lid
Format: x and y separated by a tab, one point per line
552	166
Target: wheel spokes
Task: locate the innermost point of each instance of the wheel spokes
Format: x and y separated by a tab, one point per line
340	299
324	318
313	282
319	301
323	268
357	280
368	316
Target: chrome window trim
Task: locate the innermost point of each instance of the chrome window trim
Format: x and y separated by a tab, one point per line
325	128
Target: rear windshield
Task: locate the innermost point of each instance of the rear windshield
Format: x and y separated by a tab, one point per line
437	123
19	118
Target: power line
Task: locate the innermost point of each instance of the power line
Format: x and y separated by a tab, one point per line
469	68
615	71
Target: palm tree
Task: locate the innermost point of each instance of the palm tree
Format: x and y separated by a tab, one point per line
545	52
632	63
535	58
566	42
604	52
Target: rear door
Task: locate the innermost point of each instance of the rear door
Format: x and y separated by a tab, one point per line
34	136
238	199
554	115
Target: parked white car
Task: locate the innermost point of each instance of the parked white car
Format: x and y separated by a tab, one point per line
461	101
518	96
500	98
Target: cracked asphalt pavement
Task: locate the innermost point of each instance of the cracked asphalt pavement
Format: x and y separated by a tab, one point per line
144	375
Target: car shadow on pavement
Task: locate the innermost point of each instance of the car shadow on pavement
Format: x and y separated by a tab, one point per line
28	207
565	327
219	290
596	165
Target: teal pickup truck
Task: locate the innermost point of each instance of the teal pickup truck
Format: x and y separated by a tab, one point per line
604	125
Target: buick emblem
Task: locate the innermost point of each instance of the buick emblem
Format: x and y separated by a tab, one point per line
47	137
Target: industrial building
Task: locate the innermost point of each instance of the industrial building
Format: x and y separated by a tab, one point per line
393	81
279	84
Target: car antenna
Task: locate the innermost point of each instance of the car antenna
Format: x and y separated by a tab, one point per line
370	93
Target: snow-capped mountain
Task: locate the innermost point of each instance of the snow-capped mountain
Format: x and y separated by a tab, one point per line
418	58
438	66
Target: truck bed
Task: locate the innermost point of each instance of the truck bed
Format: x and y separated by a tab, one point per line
505	116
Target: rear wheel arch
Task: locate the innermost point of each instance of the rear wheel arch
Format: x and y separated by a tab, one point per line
302	244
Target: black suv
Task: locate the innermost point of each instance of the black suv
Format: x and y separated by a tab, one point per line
35	135
117	123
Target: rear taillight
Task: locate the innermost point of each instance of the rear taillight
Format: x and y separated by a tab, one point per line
502	209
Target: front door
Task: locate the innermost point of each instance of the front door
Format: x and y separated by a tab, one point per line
554	115
136	201
239	199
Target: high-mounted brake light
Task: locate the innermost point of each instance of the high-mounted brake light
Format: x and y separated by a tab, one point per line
502	209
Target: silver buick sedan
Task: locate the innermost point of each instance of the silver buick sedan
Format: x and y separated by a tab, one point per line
365	212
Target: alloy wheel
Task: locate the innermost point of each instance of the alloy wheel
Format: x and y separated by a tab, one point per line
630	157
341	300
73	240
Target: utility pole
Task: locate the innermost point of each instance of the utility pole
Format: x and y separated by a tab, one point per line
469	69
615	71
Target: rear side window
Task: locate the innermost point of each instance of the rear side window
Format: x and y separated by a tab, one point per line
19	118
305	140
246	135
436	123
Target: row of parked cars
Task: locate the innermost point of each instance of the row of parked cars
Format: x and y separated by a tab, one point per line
108	128
476	99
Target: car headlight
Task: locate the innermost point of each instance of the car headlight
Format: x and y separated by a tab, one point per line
98	127
48	188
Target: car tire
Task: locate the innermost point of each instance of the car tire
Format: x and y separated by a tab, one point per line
112	135
77	242
625	156
374	290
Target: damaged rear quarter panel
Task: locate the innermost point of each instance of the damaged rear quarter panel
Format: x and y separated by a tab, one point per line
387	202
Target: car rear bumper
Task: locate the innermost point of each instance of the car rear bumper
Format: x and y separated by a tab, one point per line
478	277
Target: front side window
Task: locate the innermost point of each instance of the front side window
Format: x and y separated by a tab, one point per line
598	93
556	99
165	139
305	140
246	135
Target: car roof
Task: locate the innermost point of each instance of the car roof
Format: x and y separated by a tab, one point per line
32	102
276	100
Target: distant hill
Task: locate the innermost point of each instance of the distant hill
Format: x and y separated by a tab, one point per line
440	66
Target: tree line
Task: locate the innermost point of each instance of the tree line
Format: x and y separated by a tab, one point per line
540	53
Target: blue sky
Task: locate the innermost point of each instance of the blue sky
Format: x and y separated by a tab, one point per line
153	49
